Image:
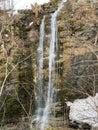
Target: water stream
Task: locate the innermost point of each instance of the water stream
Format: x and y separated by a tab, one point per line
52	55
40	68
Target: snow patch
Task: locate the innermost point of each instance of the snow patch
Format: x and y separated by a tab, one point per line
84	110
20	4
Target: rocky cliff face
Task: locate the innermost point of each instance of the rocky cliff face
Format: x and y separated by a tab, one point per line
78	32
77	56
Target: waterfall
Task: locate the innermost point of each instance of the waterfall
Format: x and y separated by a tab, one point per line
52	55
40	69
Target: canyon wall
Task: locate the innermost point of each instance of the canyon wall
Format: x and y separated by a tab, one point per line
77	61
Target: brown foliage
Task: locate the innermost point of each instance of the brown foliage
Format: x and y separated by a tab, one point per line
36	9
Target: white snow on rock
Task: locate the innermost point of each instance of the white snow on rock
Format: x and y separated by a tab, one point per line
84	110
20	4
26	4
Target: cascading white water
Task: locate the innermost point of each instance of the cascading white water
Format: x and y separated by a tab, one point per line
40	67
52	55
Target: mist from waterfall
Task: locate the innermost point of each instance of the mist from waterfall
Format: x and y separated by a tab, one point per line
52	56
40	68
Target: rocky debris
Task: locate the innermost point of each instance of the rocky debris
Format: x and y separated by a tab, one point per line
80	126
95	127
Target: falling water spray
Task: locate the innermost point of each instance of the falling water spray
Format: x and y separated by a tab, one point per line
52	55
